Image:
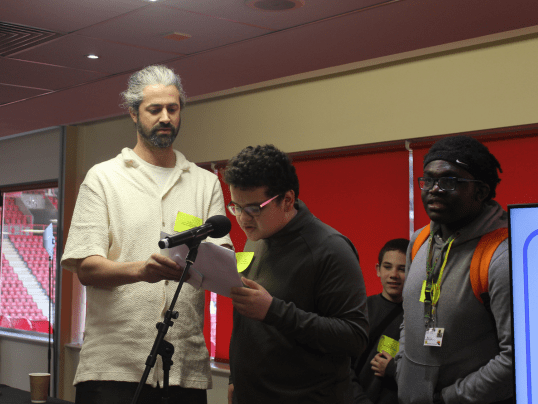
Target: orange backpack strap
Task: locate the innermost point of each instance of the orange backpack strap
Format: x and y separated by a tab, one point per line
421	238
481	259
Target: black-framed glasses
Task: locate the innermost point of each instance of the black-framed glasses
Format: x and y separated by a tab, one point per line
444	183
252	210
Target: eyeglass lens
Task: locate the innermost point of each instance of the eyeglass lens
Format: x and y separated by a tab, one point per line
444	183
251	210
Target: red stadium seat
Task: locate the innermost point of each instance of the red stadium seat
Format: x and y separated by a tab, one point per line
5	321
22	323
41	325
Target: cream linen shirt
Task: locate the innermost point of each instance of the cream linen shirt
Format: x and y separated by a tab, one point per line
119	214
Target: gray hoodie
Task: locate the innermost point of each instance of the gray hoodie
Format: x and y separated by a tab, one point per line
474	363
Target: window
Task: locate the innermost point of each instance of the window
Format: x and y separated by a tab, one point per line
28	263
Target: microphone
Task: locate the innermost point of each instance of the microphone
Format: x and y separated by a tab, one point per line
216	227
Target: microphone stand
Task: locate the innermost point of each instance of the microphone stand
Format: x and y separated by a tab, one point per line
160	346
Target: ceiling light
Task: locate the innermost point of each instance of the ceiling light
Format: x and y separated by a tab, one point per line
275	5
92	56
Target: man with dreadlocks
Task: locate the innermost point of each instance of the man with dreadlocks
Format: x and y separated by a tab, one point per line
456	338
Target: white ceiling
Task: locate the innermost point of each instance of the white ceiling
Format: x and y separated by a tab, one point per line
229	44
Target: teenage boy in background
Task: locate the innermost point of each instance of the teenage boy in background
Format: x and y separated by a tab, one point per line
374	370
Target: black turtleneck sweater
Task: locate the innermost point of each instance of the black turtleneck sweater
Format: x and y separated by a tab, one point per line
300	352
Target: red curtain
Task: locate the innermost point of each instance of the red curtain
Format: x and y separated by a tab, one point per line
207	321
518	162
420	217
363	196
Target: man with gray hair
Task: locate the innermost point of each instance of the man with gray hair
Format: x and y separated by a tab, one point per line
122	207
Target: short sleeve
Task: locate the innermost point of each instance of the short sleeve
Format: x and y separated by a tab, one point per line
88	234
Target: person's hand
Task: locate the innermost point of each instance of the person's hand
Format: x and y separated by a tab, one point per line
380	362
230	393
158	268
252	301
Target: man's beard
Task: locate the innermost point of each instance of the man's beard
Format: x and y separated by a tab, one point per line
154	139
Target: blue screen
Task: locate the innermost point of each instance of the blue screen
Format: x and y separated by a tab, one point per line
524	264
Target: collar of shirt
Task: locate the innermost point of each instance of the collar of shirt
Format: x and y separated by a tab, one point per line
131	159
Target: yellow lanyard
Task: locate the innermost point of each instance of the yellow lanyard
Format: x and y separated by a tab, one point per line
433	290
436	288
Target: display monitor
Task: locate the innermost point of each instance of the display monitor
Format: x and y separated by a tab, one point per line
523	237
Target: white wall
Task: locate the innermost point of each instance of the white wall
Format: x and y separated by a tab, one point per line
20	357
30	158
219	393
470	89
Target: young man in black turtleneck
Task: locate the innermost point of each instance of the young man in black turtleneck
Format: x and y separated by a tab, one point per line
301	314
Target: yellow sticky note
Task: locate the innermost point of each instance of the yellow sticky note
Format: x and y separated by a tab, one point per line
243	260
423	292
184	221
389	345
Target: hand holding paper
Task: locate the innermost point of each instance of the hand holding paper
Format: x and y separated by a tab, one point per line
252	301
159	267
215	268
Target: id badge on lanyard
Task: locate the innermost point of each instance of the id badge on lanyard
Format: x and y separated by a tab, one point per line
430	294
434	337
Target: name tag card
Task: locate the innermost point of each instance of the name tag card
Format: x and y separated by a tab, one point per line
434	337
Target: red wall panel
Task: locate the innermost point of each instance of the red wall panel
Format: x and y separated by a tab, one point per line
520	169
364	197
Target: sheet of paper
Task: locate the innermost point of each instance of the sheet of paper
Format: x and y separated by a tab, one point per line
215	265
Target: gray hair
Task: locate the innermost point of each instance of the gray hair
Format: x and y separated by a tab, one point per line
148	76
